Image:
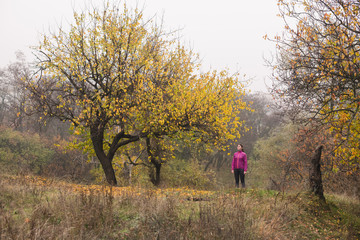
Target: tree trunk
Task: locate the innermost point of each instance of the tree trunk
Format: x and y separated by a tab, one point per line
106	162
316	185
108	170
154	178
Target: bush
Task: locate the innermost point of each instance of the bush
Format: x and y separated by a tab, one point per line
270	165
23	152
181	173
67	163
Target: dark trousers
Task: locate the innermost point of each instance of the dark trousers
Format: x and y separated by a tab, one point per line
239	173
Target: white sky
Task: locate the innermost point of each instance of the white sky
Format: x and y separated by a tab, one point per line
226	33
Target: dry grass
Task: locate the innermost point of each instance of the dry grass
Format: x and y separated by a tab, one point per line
38	208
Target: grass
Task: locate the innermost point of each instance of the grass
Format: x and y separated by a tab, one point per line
38	208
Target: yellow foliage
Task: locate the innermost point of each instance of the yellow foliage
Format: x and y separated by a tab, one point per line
117	77
319	64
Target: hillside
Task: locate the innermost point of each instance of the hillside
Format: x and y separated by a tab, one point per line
38	208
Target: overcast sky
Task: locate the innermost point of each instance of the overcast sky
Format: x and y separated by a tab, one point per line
226	33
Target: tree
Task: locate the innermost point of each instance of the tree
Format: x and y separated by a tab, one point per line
317	68
118	79
13	92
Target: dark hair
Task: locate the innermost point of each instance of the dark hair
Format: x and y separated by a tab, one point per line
242	147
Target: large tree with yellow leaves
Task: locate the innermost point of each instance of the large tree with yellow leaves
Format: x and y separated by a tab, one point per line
317	71
120	78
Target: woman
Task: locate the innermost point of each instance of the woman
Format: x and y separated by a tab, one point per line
239	166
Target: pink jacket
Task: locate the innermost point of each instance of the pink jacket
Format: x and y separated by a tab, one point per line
239	161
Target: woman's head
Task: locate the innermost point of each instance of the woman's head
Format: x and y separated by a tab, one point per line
240	147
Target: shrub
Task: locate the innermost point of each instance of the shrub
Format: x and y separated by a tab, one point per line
23	152
180	173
